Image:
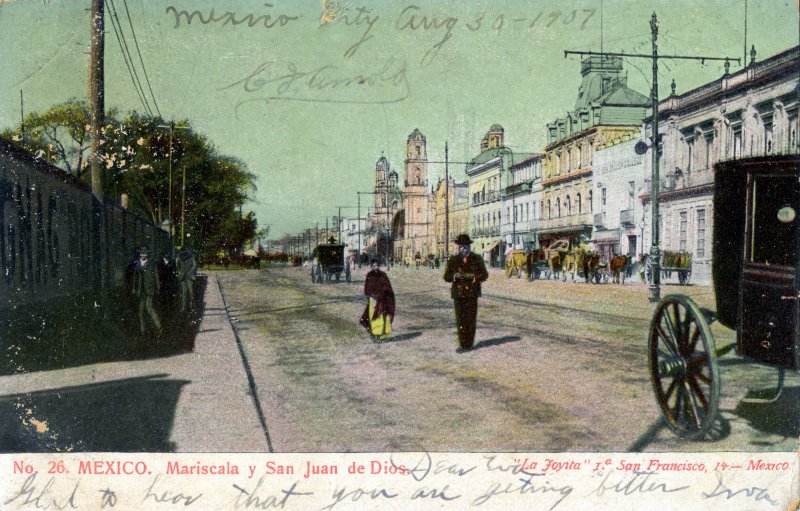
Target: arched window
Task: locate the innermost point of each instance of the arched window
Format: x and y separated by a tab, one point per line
569	205
591	207
558	207
578	203
549	215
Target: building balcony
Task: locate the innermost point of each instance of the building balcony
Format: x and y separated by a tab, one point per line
582	220
486	231
626	218
599	220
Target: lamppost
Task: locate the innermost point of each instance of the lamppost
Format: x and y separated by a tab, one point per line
172	127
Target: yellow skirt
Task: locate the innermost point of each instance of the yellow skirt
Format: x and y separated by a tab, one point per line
380	326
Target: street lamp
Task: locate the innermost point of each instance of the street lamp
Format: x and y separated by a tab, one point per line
172	127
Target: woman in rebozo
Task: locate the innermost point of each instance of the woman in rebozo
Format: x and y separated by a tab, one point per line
379	313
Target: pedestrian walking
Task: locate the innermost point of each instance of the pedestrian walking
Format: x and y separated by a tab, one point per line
186	268
465	271
145	287
379	312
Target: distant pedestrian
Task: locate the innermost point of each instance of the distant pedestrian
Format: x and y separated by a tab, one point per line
379	312
465	270
145	286
186	269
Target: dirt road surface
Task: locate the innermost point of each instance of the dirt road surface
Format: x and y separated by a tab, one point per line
558	366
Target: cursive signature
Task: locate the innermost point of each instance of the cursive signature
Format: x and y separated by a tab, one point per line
754	492
325	84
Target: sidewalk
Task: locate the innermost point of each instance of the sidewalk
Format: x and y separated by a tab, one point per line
200	399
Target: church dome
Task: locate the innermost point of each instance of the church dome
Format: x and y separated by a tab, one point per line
416	135
496	127
382	164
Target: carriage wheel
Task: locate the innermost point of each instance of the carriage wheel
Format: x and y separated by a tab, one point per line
683	366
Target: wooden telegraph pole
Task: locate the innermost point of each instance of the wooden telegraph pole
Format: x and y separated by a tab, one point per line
96	96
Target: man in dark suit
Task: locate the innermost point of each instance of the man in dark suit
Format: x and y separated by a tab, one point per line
466	271
145	286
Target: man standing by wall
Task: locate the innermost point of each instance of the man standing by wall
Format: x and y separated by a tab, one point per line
466	271
145	286
186	267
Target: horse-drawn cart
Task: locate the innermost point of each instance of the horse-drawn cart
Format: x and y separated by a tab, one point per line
330	261
677	262
516	263
756	283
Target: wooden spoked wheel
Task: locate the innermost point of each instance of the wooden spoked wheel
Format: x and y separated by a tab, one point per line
683	366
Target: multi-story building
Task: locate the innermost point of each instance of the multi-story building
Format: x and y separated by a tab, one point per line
451	205
522	200
486	178
618	174
351	231
751	112
606	111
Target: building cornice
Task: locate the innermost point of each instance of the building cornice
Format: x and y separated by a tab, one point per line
477	169
786	63
564	178
681	193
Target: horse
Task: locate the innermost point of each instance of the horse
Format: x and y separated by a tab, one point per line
591	265
618	265
532	261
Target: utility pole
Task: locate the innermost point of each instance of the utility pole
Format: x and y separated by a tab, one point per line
446	204
655	251
358	214
21	114
172	127
96	96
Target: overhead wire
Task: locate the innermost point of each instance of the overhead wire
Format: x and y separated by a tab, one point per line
138	51
123	45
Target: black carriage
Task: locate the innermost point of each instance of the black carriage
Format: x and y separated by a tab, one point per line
756	284
330	261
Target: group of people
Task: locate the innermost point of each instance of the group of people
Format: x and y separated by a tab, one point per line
150	281
465	271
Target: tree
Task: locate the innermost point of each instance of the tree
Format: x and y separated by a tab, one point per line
136	153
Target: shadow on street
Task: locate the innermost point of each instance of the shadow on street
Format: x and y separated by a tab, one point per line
131	415
80	331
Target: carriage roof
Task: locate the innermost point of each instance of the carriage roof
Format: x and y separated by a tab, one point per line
730	209
330	254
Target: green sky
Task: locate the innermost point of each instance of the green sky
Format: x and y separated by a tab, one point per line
310	118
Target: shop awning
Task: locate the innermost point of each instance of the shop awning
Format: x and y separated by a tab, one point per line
490	246
570	229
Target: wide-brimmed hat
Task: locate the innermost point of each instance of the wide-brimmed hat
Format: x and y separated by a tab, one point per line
463	239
